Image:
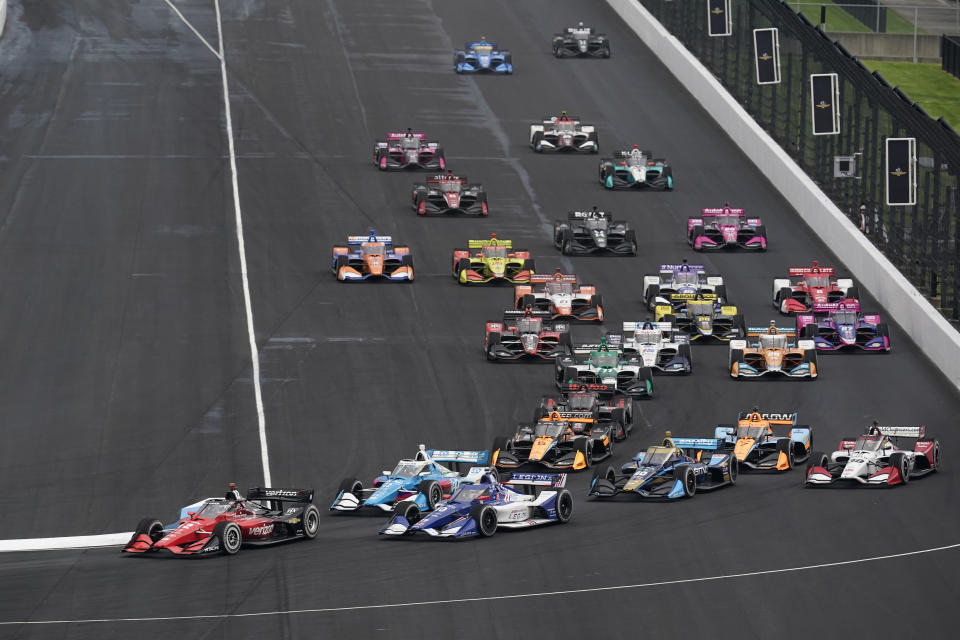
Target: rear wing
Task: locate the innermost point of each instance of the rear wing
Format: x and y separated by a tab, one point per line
401	136
625	153
756	332
612	346
773	418
547	277
438	179
721	211
466	457
634	326
578	416
815	270
362	239
490	242
918	431
704	444
827	307
579	387
583	215
516	314
705	297
552	480
698	268
280	495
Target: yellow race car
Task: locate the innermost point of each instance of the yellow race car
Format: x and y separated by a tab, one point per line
492	260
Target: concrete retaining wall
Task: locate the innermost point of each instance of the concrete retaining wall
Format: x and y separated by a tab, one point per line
904	304
889	46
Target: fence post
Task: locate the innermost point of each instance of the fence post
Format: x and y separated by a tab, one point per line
916	17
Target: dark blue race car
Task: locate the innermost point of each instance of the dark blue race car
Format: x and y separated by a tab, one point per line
482	57
479	509
675	469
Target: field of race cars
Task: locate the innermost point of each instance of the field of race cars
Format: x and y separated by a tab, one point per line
515	413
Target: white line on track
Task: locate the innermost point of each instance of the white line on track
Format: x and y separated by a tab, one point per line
517	596
195	32
241	248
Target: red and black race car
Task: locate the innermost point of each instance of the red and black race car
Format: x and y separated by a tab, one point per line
449	193
527	334
222	525
809	285
591	404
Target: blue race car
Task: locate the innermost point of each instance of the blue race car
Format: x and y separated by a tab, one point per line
422	481
675	469
636	168
482	57
479	509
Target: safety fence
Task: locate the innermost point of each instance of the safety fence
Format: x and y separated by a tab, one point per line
950	55
922	241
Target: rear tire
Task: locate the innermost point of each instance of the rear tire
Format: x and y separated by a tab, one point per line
853	293
432	492
651	295
311	522
230	537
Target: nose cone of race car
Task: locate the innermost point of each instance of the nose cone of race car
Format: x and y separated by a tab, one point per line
639	174
453	199
530	342
375	265
729	233
582	45
638	479
385	493
540	447
774	359
186	533
484	61
567	139
600	238
819	294
412	155
563	304
648	353
497	266
847	333
705	325
855	468
743	447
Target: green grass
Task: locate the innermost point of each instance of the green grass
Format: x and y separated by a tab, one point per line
937	91
839	20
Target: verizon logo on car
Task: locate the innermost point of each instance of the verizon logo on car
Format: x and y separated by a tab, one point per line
280	492
262	530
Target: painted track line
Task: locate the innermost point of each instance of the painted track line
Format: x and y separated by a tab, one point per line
518	596
195	32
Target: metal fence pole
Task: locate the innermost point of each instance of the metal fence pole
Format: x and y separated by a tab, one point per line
916	18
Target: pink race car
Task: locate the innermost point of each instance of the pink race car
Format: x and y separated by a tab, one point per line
726	228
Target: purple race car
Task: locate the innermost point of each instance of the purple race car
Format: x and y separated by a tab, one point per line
840	325
726	228
408	151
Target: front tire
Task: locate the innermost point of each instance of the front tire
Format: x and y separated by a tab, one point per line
230	537
564	506
486	518
151	527
684	473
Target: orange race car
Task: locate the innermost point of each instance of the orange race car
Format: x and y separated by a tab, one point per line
756	446
559	440
376	257
773	350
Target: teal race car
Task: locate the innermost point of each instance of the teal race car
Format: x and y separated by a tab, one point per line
636	169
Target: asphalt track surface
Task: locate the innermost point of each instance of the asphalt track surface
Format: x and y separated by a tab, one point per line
126	390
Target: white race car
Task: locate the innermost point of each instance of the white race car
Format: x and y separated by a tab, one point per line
660	345
876	459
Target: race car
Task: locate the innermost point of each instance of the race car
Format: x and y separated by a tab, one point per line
702	317
769	350
602	401
376	257
680	278
559	440
675	469
581	41
593	231
876	459
605	363
482	57
480	508
222	525
421	480
492	260
527	334
560	296
726	228
635	169
754	443
834	326
408	151
563	133
449	193
659	345
809	285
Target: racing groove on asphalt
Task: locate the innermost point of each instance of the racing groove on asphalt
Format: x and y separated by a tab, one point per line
129	392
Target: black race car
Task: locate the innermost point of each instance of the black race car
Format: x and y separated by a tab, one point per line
594	231
581	41
604	403
447	193
559	440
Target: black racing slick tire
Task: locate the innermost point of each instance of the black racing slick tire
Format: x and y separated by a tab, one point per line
432	492
486	518
734	470
585	446
535	142
500	444
762	232
407	509
527	300
853	293
786	447
684	473
150	526
530	265
493	339
230	537
564	506
899	462
816	459
350	485
651	295
311	522
630	238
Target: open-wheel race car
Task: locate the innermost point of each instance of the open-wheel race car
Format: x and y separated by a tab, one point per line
560	440
561	295
677	468
581	41
876	458
372	256
605	363
835	326
449	193
594	231
702	317
680	278
726	228
603	403
491	261
807	286
479	509
223	525
757	446
773	350
563	133
408	151
482	57
527	334
635	169
660	346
